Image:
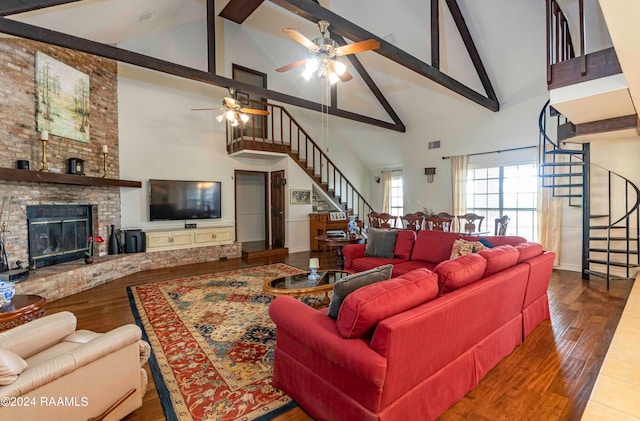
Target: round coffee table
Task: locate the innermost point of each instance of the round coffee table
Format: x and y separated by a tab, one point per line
338	243
297	285
21	310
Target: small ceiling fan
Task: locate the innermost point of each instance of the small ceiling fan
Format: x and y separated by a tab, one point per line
233	111
324	52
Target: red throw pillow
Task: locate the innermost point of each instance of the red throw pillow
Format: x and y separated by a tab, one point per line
434	246
456	273
528	250
499	258
364	308
404	244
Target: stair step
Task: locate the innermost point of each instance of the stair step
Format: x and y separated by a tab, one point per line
598	216
564	185
614	251
562	164
612	239
570	174
564	152
618	264
601	227
604	275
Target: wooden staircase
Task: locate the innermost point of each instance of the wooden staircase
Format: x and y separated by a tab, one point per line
279	132
609	202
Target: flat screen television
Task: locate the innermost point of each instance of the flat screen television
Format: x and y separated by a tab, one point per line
177	199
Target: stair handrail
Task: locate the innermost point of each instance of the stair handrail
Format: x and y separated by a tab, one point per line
257	104
559	42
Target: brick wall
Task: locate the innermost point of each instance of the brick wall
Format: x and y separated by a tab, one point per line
20	140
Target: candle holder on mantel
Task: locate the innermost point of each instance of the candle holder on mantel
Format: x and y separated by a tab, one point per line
44	137
105	152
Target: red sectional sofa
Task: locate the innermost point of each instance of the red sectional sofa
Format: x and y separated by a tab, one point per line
410	347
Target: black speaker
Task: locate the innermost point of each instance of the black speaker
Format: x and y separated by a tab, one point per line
134	241
22	164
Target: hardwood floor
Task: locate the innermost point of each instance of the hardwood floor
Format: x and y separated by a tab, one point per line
548	377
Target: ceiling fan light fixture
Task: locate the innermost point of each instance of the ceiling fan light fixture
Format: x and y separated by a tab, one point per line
220	118
312	64
230	115
306	74
339	67
244	117
234	123
333	78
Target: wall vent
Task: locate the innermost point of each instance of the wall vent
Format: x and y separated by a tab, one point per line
146	16
434	145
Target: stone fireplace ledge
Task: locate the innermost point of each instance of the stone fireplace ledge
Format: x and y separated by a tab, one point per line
59	281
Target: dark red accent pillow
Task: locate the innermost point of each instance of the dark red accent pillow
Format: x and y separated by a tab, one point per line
404	243
499	258
528	250
456	273
434	246
363	309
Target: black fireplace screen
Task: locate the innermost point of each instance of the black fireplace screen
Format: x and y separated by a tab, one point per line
58	233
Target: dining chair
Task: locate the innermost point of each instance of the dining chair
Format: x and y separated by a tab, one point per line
440	222
386	220
470	220
501	225
412	221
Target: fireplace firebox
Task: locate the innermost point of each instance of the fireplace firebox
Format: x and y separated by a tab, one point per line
58	233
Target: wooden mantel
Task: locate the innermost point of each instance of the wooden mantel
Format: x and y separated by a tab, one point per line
12	174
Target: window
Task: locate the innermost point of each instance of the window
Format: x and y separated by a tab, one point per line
505	190
397	200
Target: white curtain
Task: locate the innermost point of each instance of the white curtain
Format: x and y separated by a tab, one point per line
459	186
549	220
386	191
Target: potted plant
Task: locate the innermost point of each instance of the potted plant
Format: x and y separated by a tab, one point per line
88	255
428	212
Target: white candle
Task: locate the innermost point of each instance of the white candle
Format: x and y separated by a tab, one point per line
314	263
44	135
105	149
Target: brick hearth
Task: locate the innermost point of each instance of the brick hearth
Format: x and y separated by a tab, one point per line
55	282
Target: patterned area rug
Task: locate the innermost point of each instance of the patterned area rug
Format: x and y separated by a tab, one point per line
213	344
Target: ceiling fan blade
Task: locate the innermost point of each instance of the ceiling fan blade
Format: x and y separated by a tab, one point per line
297	36
207	109
345	77
292	65
254	111
358	47
229	101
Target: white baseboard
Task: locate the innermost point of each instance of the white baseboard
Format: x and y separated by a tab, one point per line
572	268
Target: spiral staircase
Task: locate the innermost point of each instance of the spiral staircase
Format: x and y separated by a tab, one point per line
609	202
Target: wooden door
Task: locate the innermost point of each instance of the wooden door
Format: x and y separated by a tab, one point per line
277	208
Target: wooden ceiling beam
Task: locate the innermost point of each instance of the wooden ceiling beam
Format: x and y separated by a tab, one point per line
239	10
463	29
12	7
313	12
24	30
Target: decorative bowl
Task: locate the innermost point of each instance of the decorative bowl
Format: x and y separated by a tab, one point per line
7	291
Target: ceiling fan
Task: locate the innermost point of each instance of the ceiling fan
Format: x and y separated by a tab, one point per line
233	111
324	52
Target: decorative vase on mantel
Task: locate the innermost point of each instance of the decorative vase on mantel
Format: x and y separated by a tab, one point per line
88	259
113	241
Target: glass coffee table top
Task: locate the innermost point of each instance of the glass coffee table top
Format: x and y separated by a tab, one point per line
296	285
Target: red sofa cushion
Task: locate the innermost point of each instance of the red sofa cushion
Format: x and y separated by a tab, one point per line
499	258
404	244
364	308
528	250
434	246
405	267
456	273
366	263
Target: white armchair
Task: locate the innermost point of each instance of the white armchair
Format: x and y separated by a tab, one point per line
50	370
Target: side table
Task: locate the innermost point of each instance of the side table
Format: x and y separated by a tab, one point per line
338	242
21	310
